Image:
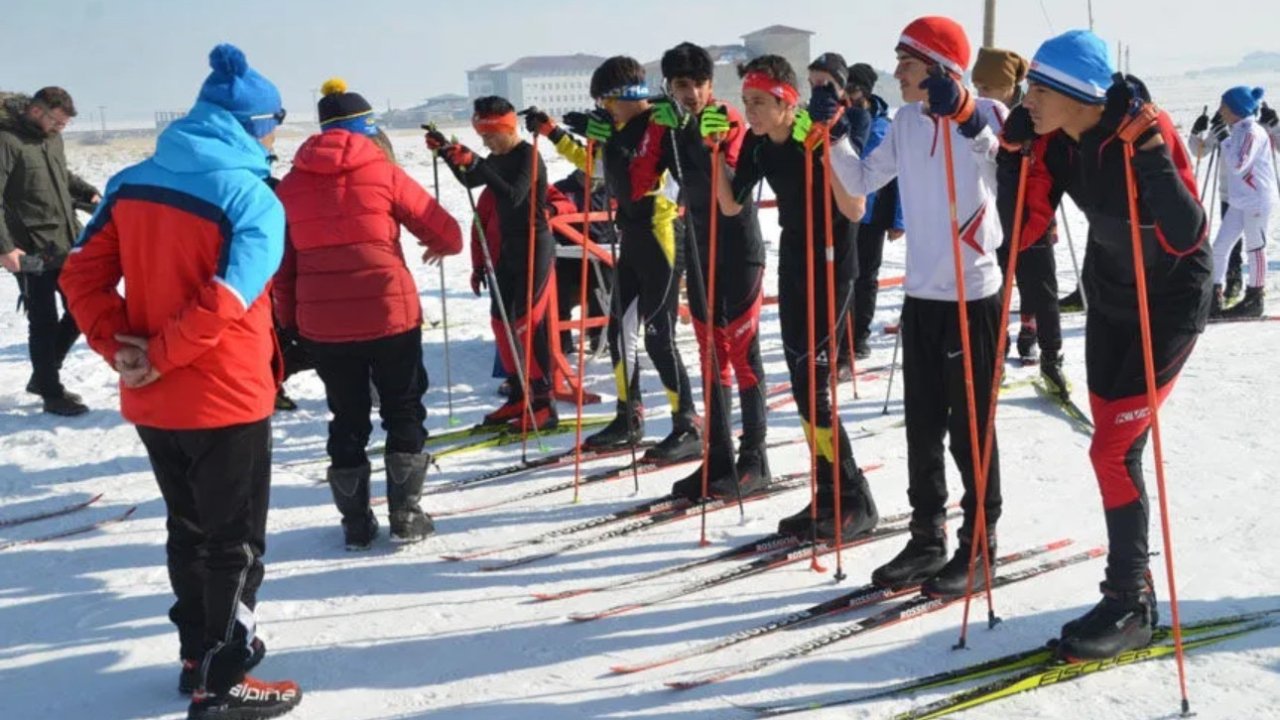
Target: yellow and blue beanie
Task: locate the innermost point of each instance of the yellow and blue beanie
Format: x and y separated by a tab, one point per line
1075	64
1243	100
342	110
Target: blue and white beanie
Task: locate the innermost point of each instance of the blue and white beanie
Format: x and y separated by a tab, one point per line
1075	64
241	91
1243	100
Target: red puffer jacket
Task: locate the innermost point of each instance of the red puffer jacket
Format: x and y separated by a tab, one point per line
344	277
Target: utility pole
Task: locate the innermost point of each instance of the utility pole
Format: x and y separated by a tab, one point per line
315	92
1127	67
989	23
1090	15
102	118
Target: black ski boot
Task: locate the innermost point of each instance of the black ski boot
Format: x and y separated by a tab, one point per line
350	487
1051	374
684	442
627	428
189	678
1027	351
1235	283
405	475
857	510
1120	621
720	467
753	468
1217	303
950	581
922	558
862	347
1252	306
249	699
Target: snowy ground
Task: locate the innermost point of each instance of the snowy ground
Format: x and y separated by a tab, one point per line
83	629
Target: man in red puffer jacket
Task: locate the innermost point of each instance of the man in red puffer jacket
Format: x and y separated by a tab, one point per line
346	289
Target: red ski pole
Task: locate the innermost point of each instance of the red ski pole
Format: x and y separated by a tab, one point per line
980	478
528	302
1153	405
582	315
833	348
1002	343
709	332
811	421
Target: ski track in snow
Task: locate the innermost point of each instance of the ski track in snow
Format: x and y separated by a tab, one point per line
401	634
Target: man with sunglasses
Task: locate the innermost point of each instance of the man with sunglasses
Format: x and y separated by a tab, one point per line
194	346
39	196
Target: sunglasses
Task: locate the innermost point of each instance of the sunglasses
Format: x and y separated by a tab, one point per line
278	116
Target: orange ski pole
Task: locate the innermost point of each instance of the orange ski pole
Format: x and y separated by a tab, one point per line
1153	404
709	332
833	347
582	315
966	347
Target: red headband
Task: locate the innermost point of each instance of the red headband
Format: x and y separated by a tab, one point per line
495	123
777	88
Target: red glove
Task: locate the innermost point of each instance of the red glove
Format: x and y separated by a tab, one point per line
1138	128
459	156
478	281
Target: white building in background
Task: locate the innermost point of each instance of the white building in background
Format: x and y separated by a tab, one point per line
555	83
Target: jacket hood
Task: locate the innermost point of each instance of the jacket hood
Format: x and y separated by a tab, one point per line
13	107
209	138
334	152
879	108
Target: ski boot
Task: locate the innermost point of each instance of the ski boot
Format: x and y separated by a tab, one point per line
627	428
684	442
857	509
922	558
950	581
189	677
350	487
1051	374
405	474
249	699
1026	343
1252	306
1120	621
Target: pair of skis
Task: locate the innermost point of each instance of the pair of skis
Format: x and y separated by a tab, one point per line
63	511
1028	670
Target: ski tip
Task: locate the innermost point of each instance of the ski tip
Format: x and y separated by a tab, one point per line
624	669
1059	544
452	558
580	618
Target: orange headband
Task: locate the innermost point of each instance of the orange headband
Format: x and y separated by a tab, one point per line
776	88
495	123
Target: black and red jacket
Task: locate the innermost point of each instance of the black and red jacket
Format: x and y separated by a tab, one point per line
1176	253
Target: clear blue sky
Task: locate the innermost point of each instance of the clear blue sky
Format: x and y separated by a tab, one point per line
136	56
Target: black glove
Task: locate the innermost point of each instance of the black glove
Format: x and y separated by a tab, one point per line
595	125
1268	116
537	122
824	103
1218	127
1019	128
857	122
1125	97
1201	124
436	141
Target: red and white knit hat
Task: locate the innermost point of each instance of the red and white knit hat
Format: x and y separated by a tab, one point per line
939	41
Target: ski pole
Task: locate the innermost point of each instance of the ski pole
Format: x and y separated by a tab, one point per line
853	357
1002	344
497	297
582	315
810	421
979	536
1213	158
833	349
529	316
711	389
1153	405
444	304
1213	192
893	365
1199	155
1075	265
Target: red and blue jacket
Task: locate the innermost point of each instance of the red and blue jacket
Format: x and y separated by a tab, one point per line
195	234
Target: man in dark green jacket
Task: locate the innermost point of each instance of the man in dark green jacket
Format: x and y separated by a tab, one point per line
39	198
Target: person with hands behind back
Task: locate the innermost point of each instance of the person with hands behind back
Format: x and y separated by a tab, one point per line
1078	119
503	220
347	290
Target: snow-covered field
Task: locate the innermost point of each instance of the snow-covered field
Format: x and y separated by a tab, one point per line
402	634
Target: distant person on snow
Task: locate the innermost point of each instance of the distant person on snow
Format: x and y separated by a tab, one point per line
507	176
1206	137
998	75
1251	195
345	287
193	343
1078	121
38	195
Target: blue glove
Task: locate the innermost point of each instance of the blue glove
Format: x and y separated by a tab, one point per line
824	103
949	99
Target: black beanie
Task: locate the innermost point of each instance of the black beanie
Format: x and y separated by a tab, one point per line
834	65
863	77
338	108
